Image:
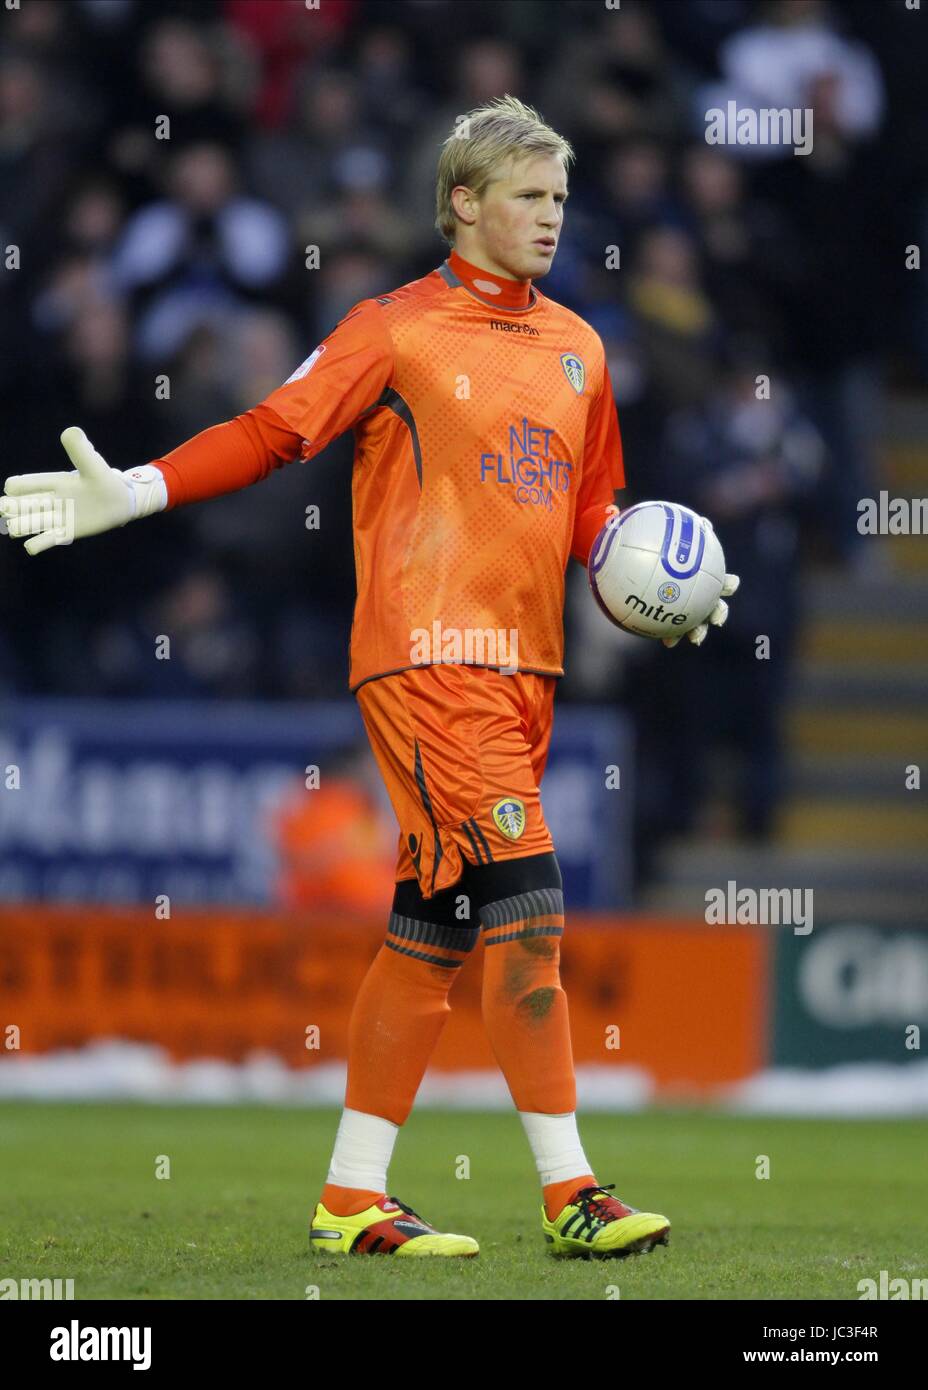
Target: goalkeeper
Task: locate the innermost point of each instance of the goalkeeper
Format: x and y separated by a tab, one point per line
487	452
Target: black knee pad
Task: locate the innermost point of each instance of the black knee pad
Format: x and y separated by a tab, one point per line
507	878
441	908
480	884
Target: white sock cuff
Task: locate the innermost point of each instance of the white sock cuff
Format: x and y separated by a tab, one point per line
556	1146
363	1149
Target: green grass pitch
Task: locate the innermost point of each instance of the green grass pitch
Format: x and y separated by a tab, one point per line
79	1199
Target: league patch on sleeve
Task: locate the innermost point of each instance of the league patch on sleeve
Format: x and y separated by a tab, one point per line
306	366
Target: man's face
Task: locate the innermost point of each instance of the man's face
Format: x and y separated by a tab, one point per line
514	228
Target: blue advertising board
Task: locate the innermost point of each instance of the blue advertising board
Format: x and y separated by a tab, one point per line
119	802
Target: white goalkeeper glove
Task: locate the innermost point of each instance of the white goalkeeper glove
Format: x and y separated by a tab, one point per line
717	617
58	508
697	635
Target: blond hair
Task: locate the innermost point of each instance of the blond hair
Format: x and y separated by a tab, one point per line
482	140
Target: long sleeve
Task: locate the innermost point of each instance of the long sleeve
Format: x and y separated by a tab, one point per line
343	377
227	457
603	471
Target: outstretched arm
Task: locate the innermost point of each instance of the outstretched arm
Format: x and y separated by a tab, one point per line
345	376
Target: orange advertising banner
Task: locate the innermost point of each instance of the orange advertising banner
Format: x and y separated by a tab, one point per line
683	1001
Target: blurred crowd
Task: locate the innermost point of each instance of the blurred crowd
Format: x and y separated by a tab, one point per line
156	282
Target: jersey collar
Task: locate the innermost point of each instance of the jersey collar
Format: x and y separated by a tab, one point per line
514	296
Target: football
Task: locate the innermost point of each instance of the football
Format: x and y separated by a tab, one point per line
657	569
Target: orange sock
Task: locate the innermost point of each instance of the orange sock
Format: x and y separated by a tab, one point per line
558	1194
399	1013
347	1201
524	1006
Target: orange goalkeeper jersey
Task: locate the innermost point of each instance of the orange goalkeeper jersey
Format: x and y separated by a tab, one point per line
486	451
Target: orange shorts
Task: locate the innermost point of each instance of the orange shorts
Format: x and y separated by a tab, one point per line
462	750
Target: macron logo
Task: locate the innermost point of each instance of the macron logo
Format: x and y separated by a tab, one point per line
76	1343
504	326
